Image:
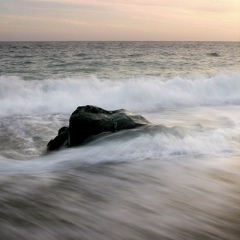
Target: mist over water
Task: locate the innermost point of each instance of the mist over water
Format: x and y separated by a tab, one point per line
174	179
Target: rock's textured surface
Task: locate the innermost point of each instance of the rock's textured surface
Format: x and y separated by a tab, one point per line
88	121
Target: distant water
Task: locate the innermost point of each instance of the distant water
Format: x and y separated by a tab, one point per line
116	60
177	179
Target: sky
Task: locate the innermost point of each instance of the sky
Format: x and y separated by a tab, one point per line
119	20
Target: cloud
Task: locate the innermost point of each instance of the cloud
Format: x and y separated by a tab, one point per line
155	19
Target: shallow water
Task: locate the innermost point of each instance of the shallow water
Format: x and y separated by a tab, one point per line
157	183
168	199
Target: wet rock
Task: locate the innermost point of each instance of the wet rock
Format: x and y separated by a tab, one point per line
89	121
60	140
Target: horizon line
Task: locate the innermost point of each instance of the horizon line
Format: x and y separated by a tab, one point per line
117	41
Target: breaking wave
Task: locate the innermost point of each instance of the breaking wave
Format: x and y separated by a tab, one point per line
18	96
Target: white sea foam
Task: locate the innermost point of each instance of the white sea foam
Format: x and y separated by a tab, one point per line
18	96
152	142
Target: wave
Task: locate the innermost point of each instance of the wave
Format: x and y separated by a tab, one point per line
146	143
18	96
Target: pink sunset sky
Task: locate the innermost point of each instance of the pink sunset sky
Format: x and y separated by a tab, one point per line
120	20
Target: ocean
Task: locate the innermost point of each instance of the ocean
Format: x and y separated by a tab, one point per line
176	179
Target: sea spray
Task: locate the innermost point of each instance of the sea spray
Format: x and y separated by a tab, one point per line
146	94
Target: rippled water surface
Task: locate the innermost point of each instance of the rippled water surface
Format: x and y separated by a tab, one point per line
116	60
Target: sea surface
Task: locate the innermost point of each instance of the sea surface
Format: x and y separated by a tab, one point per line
176	182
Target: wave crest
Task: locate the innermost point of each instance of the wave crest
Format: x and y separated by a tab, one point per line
18	96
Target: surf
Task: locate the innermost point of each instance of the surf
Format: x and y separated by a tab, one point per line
146	94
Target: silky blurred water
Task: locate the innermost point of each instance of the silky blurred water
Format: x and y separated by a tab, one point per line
175	179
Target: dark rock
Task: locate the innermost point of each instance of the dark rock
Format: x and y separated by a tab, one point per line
60	140
88	121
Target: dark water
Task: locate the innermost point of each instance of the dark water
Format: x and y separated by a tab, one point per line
176	179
